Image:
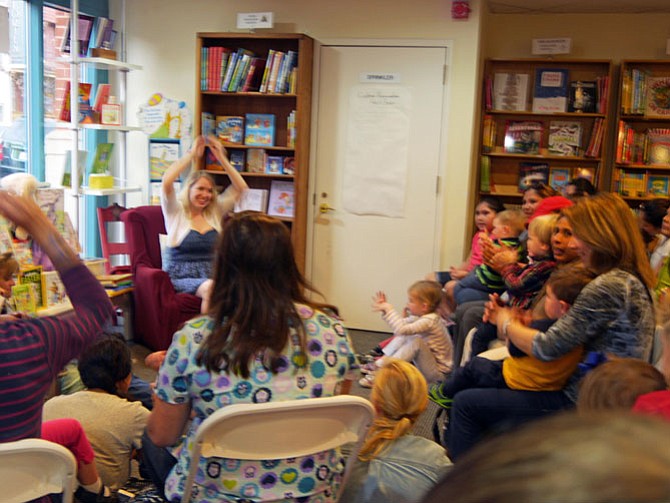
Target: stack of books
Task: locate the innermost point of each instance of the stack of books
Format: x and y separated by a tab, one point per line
116	281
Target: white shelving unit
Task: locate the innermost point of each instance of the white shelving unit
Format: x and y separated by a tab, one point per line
122	67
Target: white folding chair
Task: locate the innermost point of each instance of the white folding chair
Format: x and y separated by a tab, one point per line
306	427
32	468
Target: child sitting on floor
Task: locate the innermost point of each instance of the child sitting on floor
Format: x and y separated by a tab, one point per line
520	371
483	280
421	337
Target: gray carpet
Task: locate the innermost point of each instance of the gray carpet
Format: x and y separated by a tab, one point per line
363	342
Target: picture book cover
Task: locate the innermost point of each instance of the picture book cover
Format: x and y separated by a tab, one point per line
256	160
523	137
33	276
282	199
252	200
274	164
583	96
657	185
84	97
207	124
102	159
101	96
510	91
54	289
230	129
658	146
565	138
289	166
84	28
632	184
161	156
211	162
23	297
66	180
259	130
530	172
658	97
550	91
237	159
559	178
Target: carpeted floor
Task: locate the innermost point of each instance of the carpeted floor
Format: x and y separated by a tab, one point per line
363	342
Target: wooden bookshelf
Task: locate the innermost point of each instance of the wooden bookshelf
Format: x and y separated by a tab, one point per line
642	135
508	92
280	103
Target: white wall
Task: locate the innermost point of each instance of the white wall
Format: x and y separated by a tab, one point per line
161	37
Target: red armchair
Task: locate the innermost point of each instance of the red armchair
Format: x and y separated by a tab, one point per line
159	309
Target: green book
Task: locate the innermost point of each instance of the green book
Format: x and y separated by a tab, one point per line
102	159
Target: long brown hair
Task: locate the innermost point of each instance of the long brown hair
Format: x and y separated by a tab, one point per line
256	286
607	225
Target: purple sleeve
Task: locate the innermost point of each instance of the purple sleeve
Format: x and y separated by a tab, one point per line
66	335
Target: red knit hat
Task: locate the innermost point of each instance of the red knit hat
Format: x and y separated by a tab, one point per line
656	403
549	205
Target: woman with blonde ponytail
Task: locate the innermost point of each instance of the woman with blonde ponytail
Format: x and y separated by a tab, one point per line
393	465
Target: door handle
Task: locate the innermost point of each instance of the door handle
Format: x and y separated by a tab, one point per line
325	208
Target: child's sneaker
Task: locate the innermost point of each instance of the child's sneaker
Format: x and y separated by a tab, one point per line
367	381
369	368
435	395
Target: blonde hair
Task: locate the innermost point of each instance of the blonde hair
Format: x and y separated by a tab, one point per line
427	291
543	228
8	266
400	395
606	224
514	219
183	196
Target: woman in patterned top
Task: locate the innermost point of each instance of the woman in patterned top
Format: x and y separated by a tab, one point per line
613	315
262	340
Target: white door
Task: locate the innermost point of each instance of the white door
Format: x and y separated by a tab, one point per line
376	240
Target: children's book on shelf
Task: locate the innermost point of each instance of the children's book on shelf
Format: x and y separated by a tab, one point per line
551	90
657	185
259	130
658	97
102	159
531	172
289	166
565	138
33	276
510	91
253	200
208	124
559	178
523	137
256	160
115	281
211	162
66	180
84	28
583	96
485	173
230	129
84	96
632	183
658	146
6	244
54	289
588	173
291	131
282	199
274	164
489	128
101	96
23	297
237	159
155	193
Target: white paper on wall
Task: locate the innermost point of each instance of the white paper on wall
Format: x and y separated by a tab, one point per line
376	164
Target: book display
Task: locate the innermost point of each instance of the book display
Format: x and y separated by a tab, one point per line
254	92
642	154
542	119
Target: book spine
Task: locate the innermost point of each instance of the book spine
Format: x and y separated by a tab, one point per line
232	60
203	69
266	72
225	55
276	65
